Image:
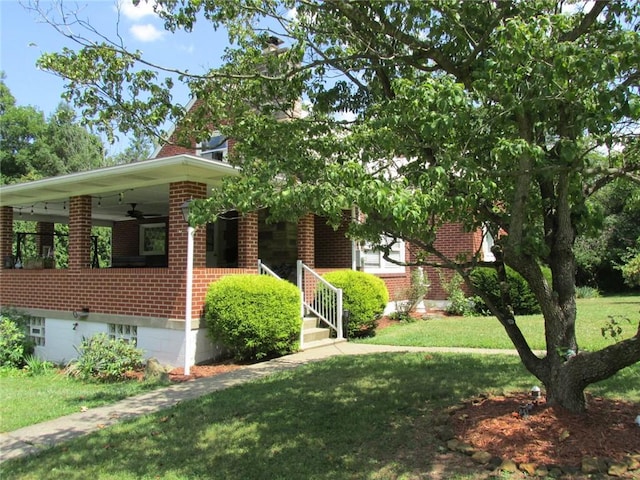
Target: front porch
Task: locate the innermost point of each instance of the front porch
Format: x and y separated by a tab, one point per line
144	301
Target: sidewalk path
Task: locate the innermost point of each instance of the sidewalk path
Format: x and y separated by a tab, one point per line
33	438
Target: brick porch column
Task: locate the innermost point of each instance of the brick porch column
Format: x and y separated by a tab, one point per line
180	192
6	234
306	240
45	236
248	241
79	232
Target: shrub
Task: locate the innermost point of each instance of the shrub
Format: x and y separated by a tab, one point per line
409	298
523	299
14	344
459	304
364	295
35	366
587	292
254	315
104	359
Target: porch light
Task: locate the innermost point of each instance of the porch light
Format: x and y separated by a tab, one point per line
185	210
536	393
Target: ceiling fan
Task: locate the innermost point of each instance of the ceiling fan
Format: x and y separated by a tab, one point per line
133	213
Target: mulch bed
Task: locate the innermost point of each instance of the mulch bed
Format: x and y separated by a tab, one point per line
549	435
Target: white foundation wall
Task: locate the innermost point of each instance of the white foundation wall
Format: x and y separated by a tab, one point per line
166	345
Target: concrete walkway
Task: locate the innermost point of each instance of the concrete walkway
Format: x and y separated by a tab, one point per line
37	437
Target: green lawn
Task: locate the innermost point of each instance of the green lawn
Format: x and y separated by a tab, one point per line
372	417
486	332
26	400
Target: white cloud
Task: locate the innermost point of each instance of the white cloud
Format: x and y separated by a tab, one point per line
133	12
146	32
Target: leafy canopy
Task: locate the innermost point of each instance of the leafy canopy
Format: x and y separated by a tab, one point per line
418	113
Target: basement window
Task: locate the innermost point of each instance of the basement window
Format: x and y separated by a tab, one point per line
35	330
128	333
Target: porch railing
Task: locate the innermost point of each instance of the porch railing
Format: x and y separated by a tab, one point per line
264	270
317	296
320	298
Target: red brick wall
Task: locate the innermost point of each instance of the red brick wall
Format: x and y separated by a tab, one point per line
80	232
6	234
451	240
306	240
332	247
180	192
45	239
125	238
147	292
248	241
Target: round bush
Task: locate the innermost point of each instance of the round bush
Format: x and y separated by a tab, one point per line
364	295
523	299
254	315
14	344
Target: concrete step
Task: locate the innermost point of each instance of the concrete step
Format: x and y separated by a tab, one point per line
313	334
321	343
310	322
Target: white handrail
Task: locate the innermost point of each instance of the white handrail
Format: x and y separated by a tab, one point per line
327	299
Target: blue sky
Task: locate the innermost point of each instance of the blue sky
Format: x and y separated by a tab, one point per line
24	37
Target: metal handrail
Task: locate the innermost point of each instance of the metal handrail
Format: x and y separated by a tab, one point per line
264	270
327	299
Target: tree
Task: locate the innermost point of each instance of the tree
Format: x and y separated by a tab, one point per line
418	113
32	147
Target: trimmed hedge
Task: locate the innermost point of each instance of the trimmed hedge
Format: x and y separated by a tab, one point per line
254	315
523	299
364	295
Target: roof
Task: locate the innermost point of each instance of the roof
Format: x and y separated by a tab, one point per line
114	189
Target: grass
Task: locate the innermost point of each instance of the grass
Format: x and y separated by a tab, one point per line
26	400
486	332
362	417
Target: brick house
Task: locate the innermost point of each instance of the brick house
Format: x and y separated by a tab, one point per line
142	294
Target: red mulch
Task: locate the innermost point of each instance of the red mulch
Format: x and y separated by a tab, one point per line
200	371
549	435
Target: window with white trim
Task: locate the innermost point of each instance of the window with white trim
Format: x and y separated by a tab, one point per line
128	333
35	330
216	148
375	263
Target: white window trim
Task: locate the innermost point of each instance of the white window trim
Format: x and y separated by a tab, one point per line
383	265
225	150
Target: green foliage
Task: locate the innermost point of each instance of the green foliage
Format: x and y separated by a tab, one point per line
458	303
36	366
631	271
587	292
32	147
479	114
486	280
364	295
409	298
14	344
613	327
104	359
255	316
602	251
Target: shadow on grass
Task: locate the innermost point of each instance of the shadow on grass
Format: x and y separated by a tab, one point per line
347	417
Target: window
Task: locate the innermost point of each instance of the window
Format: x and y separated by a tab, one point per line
153	239
215	148
35	330
375	263
128	333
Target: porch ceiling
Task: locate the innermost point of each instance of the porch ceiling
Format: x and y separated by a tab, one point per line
113	189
